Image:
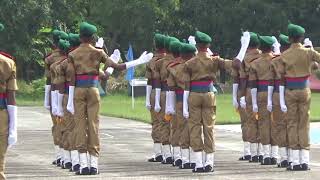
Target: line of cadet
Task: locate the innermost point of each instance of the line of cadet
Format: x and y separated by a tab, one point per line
270	92
72	96
8	108
181	101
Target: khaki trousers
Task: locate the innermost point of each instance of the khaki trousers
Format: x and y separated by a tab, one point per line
298	104
264	122
86	119
183	127
278	124
68	125
252	123
177	126
155	121
164	125
244	122
3	140
202	110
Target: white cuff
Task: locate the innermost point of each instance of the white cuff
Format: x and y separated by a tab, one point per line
185	104
157	106
47	96
70	105
148	94
270	94
12	113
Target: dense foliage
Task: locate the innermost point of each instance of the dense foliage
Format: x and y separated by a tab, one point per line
28	23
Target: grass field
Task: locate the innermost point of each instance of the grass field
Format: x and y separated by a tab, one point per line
120	106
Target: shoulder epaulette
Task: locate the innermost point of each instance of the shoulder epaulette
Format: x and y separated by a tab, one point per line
275	56
72	49
173	64
7	55
47	55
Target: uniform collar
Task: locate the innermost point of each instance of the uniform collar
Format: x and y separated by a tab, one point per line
85	45
296	45
203	54
269	54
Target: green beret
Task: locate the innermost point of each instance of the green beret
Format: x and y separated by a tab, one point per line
87	29
64	45
284	40
159	40
64	35
175	46
201	37
74	40
168	40
295	30
266	41
187	48
254	39
56	35
1	27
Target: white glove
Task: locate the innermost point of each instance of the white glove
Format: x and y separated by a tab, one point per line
12	113
209	51
148	94
54	102
115	57
46	103
157	106
270	94
99	43
235	95
60	112
170	102
144	58
70	105
254	100
185	104
245	40
243	103
282	100
276	46
307	42
192	40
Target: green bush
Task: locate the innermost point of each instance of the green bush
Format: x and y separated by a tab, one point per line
33	90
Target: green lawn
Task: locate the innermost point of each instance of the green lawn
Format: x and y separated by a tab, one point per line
120	106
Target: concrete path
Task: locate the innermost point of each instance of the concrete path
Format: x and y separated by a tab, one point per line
125	147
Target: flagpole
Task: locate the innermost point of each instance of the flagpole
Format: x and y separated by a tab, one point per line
132	94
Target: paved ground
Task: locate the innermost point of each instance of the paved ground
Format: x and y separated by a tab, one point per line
126	146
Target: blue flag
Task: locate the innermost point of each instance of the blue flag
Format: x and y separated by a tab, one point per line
130	71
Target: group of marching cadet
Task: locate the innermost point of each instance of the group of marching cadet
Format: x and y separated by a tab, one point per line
270	92
72	96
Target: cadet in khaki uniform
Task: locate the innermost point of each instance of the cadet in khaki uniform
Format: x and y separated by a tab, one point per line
201	74
278	121
259	78
251	125
161	75
57	112
176	83
175	129
84	98
49	90
150	98
8	109
297	61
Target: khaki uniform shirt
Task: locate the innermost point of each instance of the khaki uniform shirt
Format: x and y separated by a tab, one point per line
55	70
250	56
7	75
161	71
276	68
260	69
86	59
177	75
151	66
49	60
298	60
205	67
